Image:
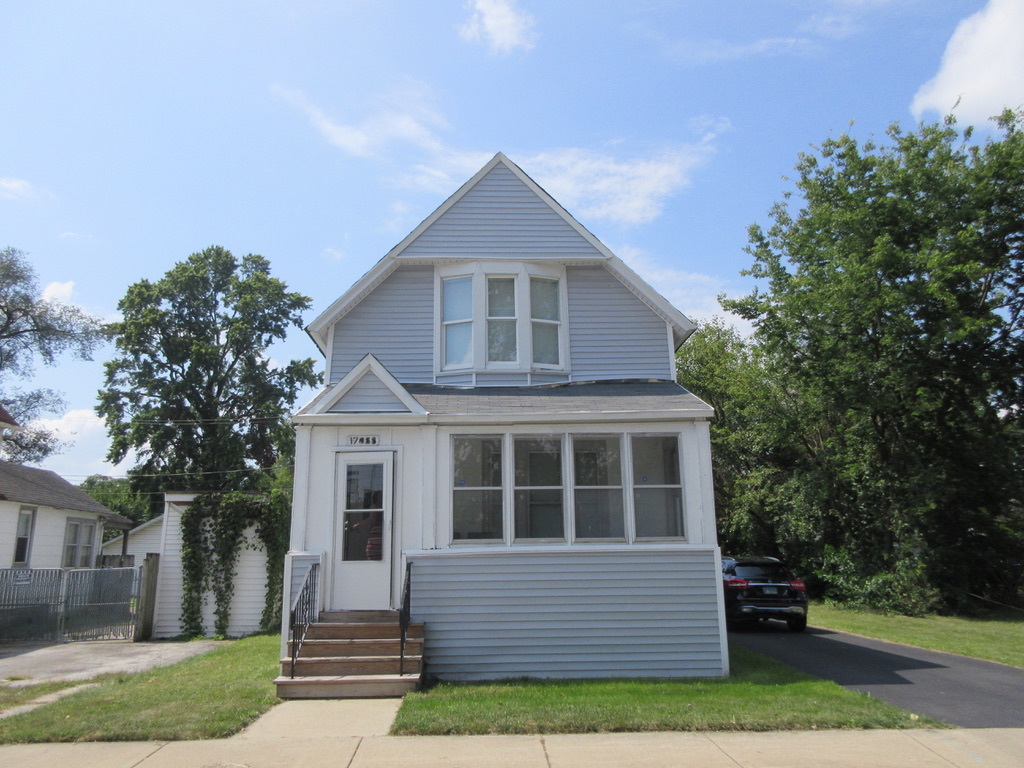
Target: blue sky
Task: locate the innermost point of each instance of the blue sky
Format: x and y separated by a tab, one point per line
318	133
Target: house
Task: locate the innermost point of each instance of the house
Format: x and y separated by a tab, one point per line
46	522
501	416
162	536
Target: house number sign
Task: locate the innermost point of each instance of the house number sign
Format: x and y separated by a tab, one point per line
364	440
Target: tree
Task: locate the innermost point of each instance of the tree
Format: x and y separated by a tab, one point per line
192	391
34	328
117	495
893	314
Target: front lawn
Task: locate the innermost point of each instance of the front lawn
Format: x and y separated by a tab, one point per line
206	697
993	636
761	695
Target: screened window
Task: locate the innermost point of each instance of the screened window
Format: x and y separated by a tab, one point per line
538	488
23	539
545	322
477	509
657	489
457	322
79	541
501	320
599	512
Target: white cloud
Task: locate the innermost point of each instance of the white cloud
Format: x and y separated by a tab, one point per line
499	24
16	189
87	434
982	70
59	291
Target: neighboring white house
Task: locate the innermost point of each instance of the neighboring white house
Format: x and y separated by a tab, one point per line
46	522
162	535
501	413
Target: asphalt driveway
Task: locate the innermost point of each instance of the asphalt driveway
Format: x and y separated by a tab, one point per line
955	689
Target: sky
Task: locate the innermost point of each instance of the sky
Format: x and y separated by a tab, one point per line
318	133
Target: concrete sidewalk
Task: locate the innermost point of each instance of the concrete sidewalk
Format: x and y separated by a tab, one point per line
352	734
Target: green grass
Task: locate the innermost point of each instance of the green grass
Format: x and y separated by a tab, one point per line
206	697
761	695
995	636
15	696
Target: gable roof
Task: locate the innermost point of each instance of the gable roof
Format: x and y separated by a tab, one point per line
441	234
6	420
41	487
388	393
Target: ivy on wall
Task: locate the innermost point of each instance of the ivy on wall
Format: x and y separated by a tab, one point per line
213	530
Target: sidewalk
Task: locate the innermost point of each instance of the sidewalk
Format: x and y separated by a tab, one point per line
352	734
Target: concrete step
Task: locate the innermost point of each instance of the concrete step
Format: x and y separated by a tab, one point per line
347	686
365	646
336	630
326	666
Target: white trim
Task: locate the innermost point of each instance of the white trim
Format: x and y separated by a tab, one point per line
322	403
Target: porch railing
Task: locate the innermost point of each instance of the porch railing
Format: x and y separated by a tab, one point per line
403	617
303	611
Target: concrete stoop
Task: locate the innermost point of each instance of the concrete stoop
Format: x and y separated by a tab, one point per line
354	655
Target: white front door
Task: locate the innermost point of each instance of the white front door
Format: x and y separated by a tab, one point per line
362	531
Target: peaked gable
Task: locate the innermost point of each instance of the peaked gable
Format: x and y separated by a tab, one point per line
368	388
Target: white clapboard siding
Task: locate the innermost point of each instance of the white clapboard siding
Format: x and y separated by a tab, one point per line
642	612
612	333
498	218
369	395
249	585
395	323
141	541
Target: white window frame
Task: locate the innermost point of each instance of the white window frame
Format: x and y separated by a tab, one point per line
28	513
79	544
520	273
567	437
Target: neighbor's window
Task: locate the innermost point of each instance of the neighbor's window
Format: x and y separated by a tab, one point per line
598	497
477	510
457	322
657	489
79	540
545	320
538	488
23	539
501	320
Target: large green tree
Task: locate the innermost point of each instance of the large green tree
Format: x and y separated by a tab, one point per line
192	390
891	318
35	329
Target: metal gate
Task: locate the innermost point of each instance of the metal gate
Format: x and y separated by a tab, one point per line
82	604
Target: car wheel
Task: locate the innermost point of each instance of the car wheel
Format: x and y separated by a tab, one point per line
797	625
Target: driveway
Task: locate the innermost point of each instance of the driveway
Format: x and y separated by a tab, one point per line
26	662
955	689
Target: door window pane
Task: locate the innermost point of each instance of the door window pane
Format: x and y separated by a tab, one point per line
477	509
599	513
538	488
364	512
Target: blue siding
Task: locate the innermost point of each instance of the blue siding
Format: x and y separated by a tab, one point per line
395	323
369	395
612	333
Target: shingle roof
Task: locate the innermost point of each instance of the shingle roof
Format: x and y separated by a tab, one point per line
44	488
6	420
591	397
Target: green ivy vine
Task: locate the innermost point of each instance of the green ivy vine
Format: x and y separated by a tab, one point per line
212	534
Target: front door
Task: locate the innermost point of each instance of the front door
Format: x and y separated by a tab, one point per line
362	526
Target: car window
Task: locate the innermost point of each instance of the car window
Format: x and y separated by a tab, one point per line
762	572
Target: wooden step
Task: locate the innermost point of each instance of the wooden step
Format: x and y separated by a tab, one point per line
359	617
365	646
327	666
347	687
323	630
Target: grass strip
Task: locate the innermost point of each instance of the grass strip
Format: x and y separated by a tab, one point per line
205	697
14	696
992	636
761	695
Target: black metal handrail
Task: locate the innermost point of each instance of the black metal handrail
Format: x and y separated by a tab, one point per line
303	611
403	617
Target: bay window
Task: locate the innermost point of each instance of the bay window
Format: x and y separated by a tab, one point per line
457	322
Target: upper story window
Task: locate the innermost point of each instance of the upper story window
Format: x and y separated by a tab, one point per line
501	316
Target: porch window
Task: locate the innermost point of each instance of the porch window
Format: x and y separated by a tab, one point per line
598	492
79	542
657	489
23	539
477	508
538	488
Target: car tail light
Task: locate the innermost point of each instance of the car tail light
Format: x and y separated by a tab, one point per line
736	583
798	585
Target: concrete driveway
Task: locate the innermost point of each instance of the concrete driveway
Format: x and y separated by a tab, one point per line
26	662
954	689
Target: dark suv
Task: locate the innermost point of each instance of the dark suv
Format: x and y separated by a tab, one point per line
763	588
